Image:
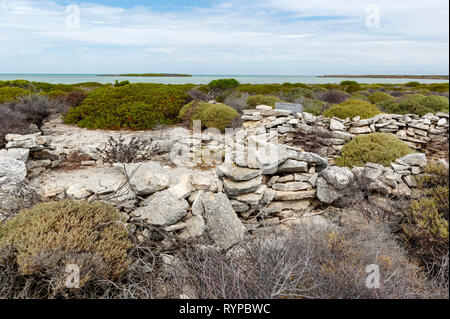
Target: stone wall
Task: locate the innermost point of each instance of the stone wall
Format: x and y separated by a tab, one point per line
427	134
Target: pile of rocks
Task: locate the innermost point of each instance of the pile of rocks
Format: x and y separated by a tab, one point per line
399	179
34	150
428	134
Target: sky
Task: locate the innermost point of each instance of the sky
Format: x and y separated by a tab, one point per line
240	37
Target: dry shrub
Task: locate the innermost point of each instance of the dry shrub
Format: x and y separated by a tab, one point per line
237	100
310	263
38	243
133	151
426	223
333	96
12	122
35	108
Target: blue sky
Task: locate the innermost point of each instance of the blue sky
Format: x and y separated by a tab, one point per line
281	37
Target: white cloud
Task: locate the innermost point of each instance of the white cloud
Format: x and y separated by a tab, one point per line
259	37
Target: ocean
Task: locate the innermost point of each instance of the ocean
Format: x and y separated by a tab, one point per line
197	79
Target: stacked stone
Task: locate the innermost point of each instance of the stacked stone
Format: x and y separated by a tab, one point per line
278	190
34	150
428	134
398	179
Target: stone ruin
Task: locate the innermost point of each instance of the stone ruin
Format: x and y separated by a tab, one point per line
245	193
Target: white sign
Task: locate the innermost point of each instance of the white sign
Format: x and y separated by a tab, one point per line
295	108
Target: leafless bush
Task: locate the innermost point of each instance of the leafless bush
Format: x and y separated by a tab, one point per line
133	151
12	122
237	100
35	108
314	139
326	263
196	94
333	96
14	200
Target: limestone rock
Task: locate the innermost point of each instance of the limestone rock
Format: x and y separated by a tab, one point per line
415	159
222	222
293	166
237	173
163	209
339	177
234	188
147	178
20	154
12	171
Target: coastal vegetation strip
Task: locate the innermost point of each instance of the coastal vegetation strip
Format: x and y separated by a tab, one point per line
148	75
422	77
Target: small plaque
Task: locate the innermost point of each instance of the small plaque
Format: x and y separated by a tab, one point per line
295	108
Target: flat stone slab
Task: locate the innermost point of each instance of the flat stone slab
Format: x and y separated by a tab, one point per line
222	223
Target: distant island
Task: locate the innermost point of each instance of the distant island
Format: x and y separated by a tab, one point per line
148	74
425	77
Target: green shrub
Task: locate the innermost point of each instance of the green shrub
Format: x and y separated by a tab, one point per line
352	108
223	84
412	84
218	116
134	106
122	83
420	104
361	97
314	106
377	97
350	86
435	103
439	87
299	94
426	223
10	94
380	148
44	239
255	100
264	89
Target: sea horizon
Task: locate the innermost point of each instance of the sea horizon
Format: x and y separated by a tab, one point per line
71	78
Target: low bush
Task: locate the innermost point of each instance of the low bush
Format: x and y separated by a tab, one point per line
134	106
43	240
264	89
350	86
121	83
120	150
298	94
10	94
219	87
380	148
435	103
420	104
12	122
377	97
255	100
35	108
352	108
223	84
314	106
333	96
237	100
361	97
426	223
307	263
218	116
412	84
